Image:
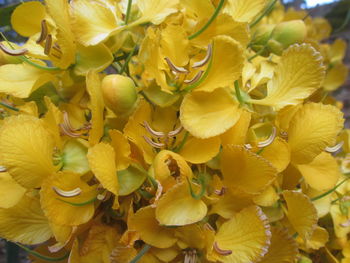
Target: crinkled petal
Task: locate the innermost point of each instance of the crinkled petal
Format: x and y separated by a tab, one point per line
244	10
121	149
11	191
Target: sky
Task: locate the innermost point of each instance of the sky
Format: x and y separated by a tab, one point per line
311	3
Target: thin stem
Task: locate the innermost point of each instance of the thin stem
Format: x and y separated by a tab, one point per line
79	204
329	191
346	21
238	93
8	106
128	60
128	11
266	11
38	255
142	252
257	53
201	193
215	14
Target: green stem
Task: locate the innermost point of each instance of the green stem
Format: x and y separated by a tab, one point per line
38	255
260	151
128	11
215	14
238	93
142	252
257	53
128	60
79	204
182	143
8	106
346	21
201	193
329	191
266	11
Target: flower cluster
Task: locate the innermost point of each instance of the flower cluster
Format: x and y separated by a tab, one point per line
173	131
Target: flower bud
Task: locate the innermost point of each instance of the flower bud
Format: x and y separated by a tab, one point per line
286	34
261	36
119	94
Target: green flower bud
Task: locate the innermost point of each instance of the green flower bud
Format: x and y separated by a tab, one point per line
119	94
286	34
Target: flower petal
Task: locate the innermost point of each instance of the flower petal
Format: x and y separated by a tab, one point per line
121	149
11	191
278	153
207	115
244	10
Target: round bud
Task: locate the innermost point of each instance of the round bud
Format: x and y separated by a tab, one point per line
286	34
119	94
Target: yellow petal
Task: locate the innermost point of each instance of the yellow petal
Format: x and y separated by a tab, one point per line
121	148
25	222
131	179
207	115
122	254
177	207
322	173
237	133
222	25
26	18
56	208
11	191
200	150
244	10
245	170
278	153
302	214
318	239
102	163
95	58
298	74
337	50
87	33
283	248
267	198
247	235
336	76
74	156
145	223
312	129
191	236
52	119
20	80
26	150
198	8
59	12
93	86
155	11
226	65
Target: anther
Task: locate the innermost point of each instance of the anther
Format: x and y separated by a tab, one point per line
221	251
57	48
195	78
75	192
13	52
220	192
2	169
175	132
335	148
152	143
43	33
206	59
48	45
269	140
175	68
153	132
68	132
345	224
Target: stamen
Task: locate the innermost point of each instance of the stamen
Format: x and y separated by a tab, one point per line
153	132
206	59
221	251
335	148
208	227
345	224
220	192
195	78
175	132
152	143
158	194
48	44
75	192
2	169
70	133
190	256
57	48
13	52
43	33
269	140
66	121
175	68
248	146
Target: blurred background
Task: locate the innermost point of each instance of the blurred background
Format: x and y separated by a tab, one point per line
336	11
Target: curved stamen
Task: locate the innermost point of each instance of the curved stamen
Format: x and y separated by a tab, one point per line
195	78
75	192
335	148
175	132
2	169
48	45
221	251
65	130
153	132
43	33
66	121
13	52
152	143
175	68
269	140
57	48
206	59
345	224
248	146
220	192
